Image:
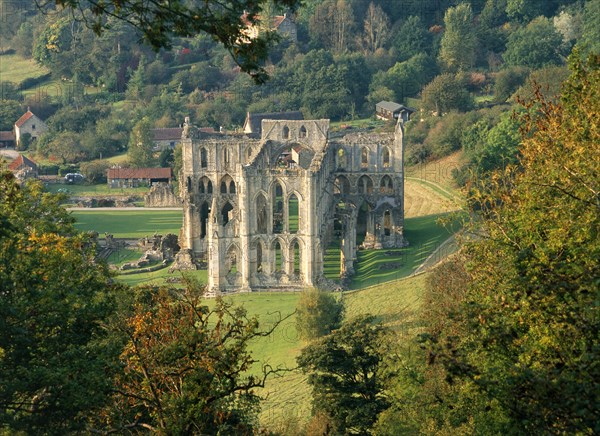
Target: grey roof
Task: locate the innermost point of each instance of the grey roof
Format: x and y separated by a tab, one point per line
393	107
254	120
167	134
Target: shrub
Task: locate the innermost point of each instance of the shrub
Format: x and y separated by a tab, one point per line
318	313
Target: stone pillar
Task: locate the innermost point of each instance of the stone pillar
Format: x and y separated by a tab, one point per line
244	215
215	255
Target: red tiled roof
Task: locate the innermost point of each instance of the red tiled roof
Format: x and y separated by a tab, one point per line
167	134
20	161
7	135
23	118
275	23
139	173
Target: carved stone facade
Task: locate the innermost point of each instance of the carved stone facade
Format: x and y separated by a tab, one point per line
262	212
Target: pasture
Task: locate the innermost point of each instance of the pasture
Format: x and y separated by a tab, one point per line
129	224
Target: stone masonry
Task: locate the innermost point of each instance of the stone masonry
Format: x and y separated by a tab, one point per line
260	212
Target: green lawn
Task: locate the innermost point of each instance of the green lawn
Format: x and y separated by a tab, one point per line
129	224
93	190
14	68
124	255
373	267
158	278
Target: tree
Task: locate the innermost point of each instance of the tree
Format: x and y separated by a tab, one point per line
55	361
331	25
159	23
141	144
343	371
458	49
535	45
376	29
529	325
10	111
187	368
590	36
317	314
508	81
412	38
95	171
446	92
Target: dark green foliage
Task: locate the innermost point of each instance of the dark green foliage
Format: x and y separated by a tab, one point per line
536	45
55	366
508	81
95	171
159	23
412	38
166	158
343	371
185	366
318	313
445	93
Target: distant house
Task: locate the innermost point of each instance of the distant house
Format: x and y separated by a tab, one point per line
29	123
252	125
7	138
282	24
23	168
388	110
134	177
166	138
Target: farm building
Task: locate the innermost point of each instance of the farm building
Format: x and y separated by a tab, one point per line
388	110
134	177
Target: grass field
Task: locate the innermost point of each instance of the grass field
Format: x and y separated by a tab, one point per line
14	68
287	398
129	224
158	278
438	173
92	190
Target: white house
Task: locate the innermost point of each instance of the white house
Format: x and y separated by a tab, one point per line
29	123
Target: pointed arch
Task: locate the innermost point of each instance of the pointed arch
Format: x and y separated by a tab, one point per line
386	186
387	222
365	185
204	213
278	260
226	213
386	158
286	132
342	185
227	185
205	185
262	214
293	213
342	158
302	132
259	255
277	203
295	257
203	158
232	258
364	157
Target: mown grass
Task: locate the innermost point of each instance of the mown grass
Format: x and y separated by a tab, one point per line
129	223
92	190
14	68
424	234
159	278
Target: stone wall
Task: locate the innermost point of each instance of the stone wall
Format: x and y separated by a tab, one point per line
161	195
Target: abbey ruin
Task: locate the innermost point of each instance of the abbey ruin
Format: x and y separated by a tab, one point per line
260	211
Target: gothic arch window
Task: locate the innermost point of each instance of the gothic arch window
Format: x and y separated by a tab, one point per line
296	257
226	156
364	157
201	188
365	185
203	157
293	214
232	258
249	153
278	256
205	185
341	186
189	184
386	157
387	223
262	214
209	188
204	211
227	213
302	133
227	185
386	186
259	257
277	203
342	158
286	132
